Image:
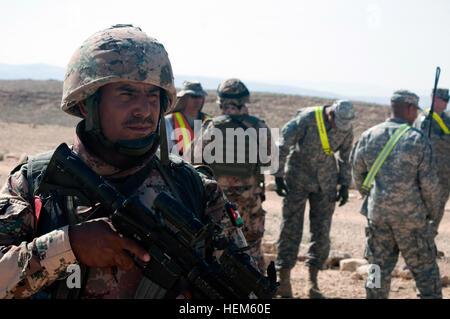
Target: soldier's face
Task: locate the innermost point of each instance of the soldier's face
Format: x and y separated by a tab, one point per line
230	109
129	110
194	102
439	105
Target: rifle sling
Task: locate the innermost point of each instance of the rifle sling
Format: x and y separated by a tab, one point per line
367	184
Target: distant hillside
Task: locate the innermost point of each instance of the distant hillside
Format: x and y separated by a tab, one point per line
38	102
359	91
31	71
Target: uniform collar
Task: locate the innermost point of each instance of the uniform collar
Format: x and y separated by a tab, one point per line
397	120
100	166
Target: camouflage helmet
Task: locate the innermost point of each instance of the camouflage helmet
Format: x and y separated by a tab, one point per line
405	96
119	53
442	94
233	91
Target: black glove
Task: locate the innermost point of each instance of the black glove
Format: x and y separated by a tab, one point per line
280	186
342	195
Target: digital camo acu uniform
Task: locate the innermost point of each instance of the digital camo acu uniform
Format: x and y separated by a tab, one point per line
401	202
440	142
312	175
247	194
29	264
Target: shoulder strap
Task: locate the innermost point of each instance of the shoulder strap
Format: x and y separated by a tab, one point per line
35	166
322	130
367	184
185	183
441	123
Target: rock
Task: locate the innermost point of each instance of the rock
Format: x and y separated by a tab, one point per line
301	257
335	257
1	157
269	257
269	247
11	156
351	264
362	271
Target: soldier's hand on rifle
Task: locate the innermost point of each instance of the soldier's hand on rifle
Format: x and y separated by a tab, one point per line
95	243
342	195
280	186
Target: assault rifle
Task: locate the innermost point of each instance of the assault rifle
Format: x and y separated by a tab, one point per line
169	232
430	115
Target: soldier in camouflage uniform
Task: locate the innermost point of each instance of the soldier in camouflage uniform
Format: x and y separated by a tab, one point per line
187	109
311	173
440	140
402	202
243	187
120	82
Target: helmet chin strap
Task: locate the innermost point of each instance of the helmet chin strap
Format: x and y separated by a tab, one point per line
133	148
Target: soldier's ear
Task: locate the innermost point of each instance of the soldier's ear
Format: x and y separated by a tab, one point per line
83	108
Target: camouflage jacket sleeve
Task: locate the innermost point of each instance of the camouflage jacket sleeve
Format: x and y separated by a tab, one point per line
291	133
343	160
27	264
359	168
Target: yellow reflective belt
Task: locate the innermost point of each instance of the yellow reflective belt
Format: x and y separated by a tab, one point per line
441	123
367	184
183	128
322	131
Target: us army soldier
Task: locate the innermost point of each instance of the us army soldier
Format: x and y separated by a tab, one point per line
401	197
440	140
307	146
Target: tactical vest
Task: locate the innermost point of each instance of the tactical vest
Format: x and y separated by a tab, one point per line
232	147
58	210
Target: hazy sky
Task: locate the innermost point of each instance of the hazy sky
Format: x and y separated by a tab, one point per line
378	43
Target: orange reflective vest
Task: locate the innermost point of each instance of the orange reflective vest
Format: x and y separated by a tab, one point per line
184	134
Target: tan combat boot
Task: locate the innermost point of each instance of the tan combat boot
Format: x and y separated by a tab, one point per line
285	289
312	289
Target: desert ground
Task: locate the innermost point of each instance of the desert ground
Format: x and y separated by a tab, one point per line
31	122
